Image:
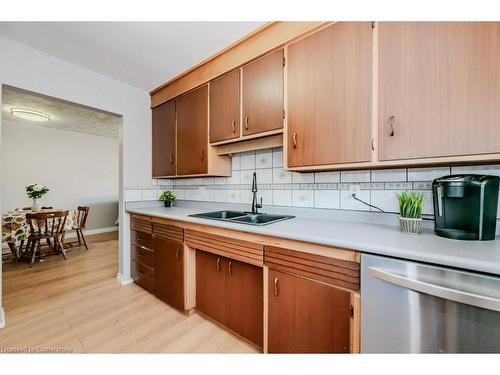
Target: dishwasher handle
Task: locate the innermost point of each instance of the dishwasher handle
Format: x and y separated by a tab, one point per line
460	296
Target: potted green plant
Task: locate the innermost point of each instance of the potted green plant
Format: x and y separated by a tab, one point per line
410	210
167	197
35	192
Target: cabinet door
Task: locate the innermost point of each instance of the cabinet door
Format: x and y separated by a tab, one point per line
262	91
169	272
439	91
225	107
210	285
306	316
244	300
163	138
192	132
329	96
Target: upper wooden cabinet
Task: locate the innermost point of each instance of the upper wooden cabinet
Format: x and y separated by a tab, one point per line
192	132
225	107
439	89
163	137
329	96
262	94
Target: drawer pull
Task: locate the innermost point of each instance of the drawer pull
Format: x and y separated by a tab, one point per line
294	139
218	264
141	273
172	159
276	290
229	268
177	253
202	155
233	125
141	254
246	122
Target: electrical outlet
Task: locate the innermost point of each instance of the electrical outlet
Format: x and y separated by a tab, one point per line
354	189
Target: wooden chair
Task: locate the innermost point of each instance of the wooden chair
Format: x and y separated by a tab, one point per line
47	207
46	225
81	222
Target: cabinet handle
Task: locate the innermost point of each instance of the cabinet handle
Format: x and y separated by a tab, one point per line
391	124
177	253
218	264
202	155
373	144
246	122
229	268
141	254
172	159
141	273
294	140
233	125
276	291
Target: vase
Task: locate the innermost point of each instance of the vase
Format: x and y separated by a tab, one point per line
411	226
35	207
168	203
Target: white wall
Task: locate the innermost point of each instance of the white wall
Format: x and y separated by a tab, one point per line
79	169
29	69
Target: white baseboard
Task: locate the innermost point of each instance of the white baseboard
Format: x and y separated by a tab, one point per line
124	280
72	234
2	318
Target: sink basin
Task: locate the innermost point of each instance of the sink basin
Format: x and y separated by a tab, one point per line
242	217
260	219
223	215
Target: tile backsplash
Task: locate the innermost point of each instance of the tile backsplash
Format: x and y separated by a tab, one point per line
328	190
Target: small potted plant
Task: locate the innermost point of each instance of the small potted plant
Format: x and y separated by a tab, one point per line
167	197
35	192
410	209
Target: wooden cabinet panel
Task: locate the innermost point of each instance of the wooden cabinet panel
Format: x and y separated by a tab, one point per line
163	138
142	275
169	272
262	94
225	107
210	285
439	91
329	96
140	238
144	256
244	303
306	316
192	132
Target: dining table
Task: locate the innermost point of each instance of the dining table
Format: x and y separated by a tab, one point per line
16	229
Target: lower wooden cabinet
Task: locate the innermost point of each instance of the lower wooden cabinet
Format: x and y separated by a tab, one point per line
306	316
231	293
169	272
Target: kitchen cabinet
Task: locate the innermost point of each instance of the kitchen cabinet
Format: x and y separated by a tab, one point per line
225	107
192	132
230	293
306	316
244	300
438	89
329	96
169	272
163	140
142	253
262	94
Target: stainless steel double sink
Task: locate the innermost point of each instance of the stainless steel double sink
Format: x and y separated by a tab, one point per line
243	217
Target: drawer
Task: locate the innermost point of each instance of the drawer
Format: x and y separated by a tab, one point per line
327	270
244	251
168	232
142	275
141	239
143	256
141	223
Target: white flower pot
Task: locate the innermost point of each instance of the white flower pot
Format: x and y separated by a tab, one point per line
411	226
35	207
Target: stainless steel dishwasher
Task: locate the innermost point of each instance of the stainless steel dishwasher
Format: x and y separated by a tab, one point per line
410	307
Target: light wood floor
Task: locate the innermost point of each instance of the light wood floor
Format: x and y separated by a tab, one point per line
78	304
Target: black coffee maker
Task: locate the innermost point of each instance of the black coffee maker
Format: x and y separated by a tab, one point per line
465	206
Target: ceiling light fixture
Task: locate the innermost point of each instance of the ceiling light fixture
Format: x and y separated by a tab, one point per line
30	114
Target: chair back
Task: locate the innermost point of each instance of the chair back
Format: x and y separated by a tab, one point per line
47	223
47	207
81	219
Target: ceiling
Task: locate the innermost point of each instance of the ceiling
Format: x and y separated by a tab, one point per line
142	54
65	116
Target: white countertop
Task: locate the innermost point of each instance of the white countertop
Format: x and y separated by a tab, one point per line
482	256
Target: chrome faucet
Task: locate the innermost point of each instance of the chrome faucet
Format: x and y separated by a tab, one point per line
255	205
